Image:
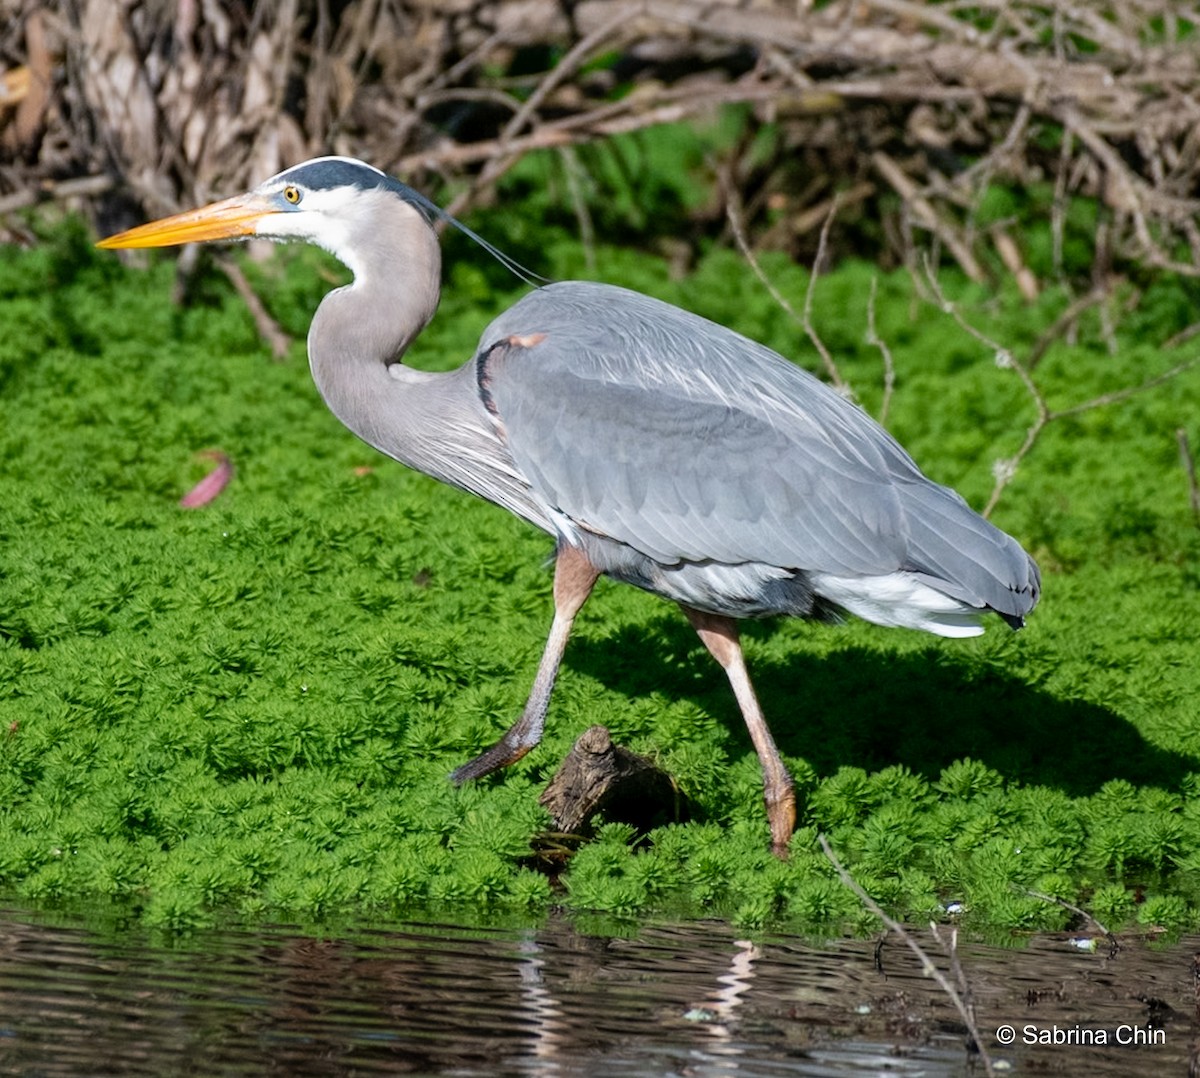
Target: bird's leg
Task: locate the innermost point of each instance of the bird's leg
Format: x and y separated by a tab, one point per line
574	577
720	636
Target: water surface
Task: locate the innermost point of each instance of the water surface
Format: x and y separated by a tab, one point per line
695	1000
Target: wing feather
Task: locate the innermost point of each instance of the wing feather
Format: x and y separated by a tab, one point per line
688	442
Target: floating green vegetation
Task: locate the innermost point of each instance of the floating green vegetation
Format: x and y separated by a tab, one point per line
255	706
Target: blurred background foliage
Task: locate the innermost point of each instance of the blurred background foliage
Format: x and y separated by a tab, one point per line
944	125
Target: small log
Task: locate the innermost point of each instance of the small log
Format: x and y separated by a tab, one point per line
598	775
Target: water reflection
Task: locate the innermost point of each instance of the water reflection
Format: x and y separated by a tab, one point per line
553	1001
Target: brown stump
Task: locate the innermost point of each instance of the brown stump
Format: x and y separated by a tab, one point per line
597	774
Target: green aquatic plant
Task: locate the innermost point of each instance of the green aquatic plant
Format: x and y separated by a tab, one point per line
255	705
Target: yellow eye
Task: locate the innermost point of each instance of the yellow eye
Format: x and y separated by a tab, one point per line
292	194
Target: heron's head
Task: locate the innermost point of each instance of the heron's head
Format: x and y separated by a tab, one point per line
350	208
337	203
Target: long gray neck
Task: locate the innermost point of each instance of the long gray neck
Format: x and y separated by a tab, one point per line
360	330
433	422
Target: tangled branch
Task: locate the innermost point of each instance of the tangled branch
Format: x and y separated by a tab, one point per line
924	105
1006	470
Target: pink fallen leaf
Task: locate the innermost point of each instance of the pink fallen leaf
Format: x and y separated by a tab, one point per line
212	484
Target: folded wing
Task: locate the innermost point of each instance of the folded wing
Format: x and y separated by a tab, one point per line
644	423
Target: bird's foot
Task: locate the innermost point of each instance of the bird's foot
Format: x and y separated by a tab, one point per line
501	754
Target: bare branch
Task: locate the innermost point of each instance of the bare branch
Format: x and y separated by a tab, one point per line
926	216
278	341
1098	926
889	367
963	1006
1010	255
810	291
1003	356
1132	391
1063	324
1005	470
734	214
555	77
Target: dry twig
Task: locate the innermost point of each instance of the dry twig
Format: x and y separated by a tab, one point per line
1063	324
566	67
1005	470
278	341
733	212
889	367
926	216
810	291
961	1000
182	104
1114	945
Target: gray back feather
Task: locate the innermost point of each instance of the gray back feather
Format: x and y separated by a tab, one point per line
736	456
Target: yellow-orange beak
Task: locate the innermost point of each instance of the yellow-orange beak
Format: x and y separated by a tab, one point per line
230	219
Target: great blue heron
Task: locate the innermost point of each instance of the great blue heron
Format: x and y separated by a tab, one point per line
656	447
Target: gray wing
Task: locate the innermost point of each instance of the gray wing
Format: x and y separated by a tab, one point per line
688	442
